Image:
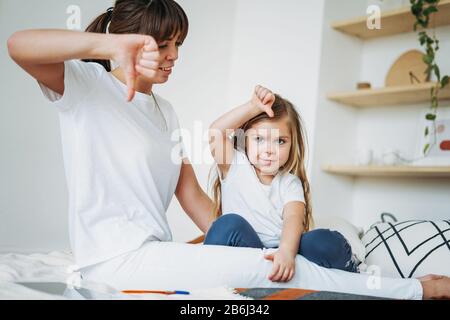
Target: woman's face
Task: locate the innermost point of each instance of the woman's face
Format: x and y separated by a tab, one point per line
168	50
268	145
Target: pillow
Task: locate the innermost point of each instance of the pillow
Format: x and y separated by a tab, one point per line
348	230
409	249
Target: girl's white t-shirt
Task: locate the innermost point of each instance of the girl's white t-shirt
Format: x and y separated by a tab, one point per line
121	165
261	205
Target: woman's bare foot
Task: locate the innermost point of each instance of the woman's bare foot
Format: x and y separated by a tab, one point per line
435	287
430	277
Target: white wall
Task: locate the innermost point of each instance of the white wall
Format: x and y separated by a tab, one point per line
199	87
232	45
277	44
397	127
335	126
33	196
342	130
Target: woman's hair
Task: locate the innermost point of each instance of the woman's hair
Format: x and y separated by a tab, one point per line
283	109
161	19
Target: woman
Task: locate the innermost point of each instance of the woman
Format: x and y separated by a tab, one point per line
121	168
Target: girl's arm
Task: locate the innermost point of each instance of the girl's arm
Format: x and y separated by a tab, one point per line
293	218
194	201
284	258
42	53
221	146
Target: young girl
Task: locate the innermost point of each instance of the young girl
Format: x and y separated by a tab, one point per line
262	189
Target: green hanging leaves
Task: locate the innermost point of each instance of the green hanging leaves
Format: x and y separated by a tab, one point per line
425	149
429	10
428	59
423	10
444	81
434	102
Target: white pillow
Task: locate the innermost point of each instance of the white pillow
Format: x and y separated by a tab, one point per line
348	230
409	249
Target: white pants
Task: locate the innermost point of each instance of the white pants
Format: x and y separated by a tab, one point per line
178	266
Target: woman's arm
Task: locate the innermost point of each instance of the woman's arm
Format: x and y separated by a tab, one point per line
42	53
194	201
221	146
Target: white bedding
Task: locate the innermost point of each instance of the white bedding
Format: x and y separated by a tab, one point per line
37	267
55	267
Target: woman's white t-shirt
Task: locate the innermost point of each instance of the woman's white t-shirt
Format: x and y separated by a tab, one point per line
121	166
261	205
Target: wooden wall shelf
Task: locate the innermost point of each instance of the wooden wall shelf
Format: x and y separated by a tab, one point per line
392	22
389	171
399	95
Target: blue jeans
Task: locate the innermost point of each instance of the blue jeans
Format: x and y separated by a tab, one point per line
324	247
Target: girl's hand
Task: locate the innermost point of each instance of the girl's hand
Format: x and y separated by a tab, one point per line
263	99
283	266
137	55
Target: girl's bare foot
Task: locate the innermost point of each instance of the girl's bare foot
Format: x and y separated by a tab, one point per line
435	287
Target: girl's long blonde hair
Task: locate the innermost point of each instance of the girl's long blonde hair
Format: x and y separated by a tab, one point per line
283	109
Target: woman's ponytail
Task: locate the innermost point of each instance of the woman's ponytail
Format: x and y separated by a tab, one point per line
100	25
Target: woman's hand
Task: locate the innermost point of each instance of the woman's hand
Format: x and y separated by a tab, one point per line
263	99
283	266
137	55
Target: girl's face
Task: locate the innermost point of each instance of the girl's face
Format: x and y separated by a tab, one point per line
168	50
268	145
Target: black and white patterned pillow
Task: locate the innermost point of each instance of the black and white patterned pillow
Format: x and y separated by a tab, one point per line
409	249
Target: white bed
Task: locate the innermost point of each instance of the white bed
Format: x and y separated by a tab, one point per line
56	267
51	270
49	276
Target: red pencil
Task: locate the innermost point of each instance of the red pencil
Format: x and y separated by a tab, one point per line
154	291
